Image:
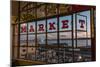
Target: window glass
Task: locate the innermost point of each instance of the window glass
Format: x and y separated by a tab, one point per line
41	39
23	28
31	40
31	27
81	23
83	37
23	39
65	23
41	54
31	53
41	11
52	39
52	25
65	39
52	55
23	52
41	26
63	8
51	9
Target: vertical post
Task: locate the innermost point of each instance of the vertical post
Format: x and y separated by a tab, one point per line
27	34
72	25
58	29
86	33
46	30
76	30
18	30
13	40
93	42
36	32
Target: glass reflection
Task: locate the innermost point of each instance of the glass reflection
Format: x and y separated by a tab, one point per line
41	40
23	52
41	54
52	39
83	38
31	40
65	39
23	39
31	53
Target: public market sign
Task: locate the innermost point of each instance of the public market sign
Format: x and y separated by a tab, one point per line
65	24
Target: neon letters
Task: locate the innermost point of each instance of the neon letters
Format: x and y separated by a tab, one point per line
52	25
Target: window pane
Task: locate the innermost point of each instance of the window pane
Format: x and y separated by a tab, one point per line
87	14
83	37
52	25
41	54
65	55
31	15
81	34
52	55
31	40
65	39
63	8
31	53
23	28
65	23
41	26
41	11
41	40
23	52
51	9
23	16
31	27
23	39
22	4
31	4
52	39
81	23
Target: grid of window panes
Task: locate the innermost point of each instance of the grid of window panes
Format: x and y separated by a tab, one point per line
48	40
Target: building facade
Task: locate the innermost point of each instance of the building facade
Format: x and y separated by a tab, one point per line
52	33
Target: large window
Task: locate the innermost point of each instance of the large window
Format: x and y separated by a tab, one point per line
83	37
53	34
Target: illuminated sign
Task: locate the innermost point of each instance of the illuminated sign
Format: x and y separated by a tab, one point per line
65	24
23	28
41	26
31	27
52	25
81	23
